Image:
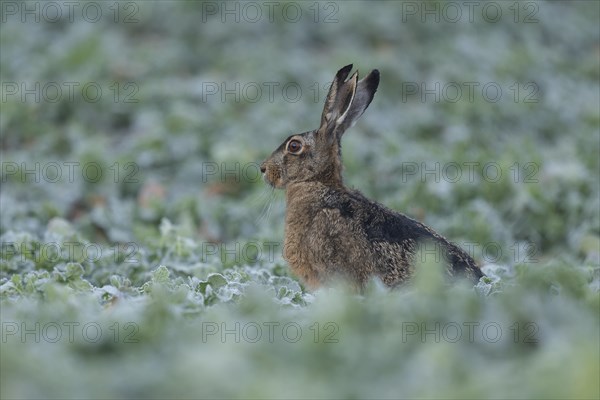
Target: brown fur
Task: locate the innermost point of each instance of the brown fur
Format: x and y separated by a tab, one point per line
332	231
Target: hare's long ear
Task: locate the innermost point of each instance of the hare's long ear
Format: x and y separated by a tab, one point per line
346	101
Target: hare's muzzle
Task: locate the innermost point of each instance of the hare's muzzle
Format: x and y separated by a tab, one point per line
270	174
265	173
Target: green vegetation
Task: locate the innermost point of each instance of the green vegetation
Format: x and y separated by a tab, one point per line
141	251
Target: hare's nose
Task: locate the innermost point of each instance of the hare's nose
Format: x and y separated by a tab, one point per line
263	168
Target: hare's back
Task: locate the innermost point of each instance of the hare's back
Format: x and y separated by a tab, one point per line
393	239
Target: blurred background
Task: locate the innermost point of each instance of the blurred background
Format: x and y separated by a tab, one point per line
135	130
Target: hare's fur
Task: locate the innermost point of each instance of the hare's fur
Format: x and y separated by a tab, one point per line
332	231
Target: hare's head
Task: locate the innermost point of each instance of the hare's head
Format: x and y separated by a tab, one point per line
316	155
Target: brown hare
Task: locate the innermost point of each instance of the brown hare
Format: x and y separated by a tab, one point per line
333	231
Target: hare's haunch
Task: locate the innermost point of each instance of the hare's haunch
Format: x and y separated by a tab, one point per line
331	230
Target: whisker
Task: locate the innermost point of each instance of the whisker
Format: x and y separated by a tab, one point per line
266	196
278	201
258	198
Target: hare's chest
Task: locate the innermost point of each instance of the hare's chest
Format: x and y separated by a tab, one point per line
295	250
299	251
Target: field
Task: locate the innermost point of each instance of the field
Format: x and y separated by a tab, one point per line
141	251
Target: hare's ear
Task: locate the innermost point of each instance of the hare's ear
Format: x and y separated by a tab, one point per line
346	101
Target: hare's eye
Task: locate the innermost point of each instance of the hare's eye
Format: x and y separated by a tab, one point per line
294	146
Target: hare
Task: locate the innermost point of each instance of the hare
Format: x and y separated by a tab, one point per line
331	230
